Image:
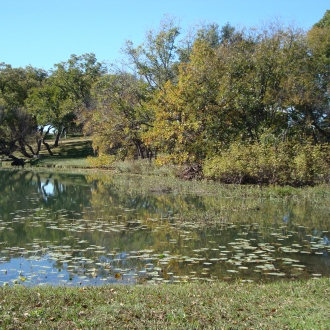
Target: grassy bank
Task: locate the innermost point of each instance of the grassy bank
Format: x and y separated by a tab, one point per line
279	305
71	155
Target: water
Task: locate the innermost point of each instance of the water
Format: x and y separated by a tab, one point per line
71	229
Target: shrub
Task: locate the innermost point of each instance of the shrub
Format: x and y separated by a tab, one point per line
267	162
101	161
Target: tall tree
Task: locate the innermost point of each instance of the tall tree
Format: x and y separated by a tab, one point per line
65	96
120	116
74	79
156	58
17	127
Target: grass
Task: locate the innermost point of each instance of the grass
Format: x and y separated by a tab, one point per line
278	305
71	153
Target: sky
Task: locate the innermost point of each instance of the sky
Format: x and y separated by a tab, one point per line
42	33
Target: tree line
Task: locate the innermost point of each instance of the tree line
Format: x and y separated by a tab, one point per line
202	97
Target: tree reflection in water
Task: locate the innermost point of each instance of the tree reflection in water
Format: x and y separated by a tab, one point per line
96	229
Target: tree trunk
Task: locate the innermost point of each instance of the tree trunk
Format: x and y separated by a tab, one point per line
46	144
57	139
31	149
39	141
58	135
138	147
22	149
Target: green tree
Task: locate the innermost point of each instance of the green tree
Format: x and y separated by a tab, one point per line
210	34
45	103
309	84
155	60
324	22
240	90
75	79
120	116
65	96
17	127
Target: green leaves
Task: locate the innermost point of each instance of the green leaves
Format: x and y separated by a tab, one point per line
120	116
17	127
188	99
155	59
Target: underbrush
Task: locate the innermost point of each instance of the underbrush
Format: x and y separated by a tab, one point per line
279	163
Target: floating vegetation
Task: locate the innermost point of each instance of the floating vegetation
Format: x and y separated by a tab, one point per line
89	234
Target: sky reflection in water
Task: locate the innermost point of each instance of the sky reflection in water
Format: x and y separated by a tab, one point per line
71	229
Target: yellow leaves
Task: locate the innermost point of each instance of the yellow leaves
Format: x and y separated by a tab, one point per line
103	160
319	38
277	162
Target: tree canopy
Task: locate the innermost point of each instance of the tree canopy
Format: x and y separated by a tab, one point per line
180	98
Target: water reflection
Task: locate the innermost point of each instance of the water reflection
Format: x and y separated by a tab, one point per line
73	229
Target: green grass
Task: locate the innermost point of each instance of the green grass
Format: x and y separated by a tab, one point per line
71	153
278	305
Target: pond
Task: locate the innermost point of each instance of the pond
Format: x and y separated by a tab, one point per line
75	229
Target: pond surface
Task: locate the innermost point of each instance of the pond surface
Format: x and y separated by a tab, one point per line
72	229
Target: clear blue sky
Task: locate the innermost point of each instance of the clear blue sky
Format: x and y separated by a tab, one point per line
44	32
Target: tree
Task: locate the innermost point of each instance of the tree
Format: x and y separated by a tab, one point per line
74	79
324	22
258	66
64	96
155	60
17	127
310	83
45	103
240	90
120	116
184	112
210	34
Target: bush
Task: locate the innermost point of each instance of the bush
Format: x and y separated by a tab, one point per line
281	163
101	161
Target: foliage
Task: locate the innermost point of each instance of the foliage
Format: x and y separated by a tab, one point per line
46	104
262	82
324	21
189	101
17	127
59	101
155	59
271	162
120	116
74	80
101	161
